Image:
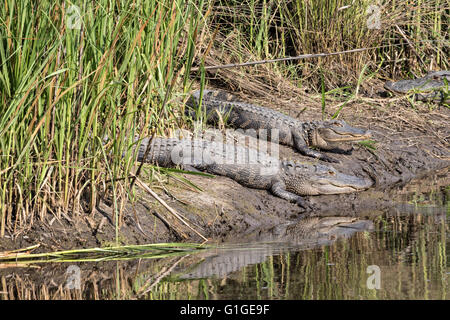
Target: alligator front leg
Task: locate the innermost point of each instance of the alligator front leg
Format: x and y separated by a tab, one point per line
304	150
302	147
279	189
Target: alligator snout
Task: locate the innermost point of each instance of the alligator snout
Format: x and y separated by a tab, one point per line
357	135
340	131
340	183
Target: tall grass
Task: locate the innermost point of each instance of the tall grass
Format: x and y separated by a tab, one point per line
64	89
412	36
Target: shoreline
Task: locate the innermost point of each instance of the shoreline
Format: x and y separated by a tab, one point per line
225	208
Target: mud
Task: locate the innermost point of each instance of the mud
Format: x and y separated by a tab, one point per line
411	143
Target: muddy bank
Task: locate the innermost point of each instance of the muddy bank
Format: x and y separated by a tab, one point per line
411	143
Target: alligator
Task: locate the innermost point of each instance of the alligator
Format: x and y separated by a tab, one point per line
252	168
302	135
308	233
432	87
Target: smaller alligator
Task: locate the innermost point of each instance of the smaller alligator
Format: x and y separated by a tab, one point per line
286	179
433	87
324	135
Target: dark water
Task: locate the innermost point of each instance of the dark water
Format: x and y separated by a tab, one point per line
397	253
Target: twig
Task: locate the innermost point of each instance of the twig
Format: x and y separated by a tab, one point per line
303	56
178	233
165	205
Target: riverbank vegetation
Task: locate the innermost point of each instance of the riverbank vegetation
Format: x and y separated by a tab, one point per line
75	73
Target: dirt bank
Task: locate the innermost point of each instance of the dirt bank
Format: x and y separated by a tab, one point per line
411	142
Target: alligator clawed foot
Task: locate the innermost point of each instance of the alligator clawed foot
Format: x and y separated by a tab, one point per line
301	202
328	159
342	151
304	204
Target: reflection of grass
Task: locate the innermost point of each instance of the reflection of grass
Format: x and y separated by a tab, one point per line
409	249
417	199
146	251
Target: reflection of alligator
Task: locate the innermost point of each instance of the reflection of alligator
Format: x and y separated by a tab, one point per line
325	135
432	87
306	234
251	168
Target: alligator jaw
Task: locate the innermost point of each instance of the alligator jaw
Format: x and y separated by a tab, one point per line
304	179
335	183
331	133
332	189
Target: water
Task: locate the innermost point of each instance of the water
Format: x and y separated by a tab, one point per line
400	253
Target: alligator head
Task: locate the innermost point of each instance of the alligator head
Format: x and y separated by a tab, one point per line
324	229
327	135
430	87
316	179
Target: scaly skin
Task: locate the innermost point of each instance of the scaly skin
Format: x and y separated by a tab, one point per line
325	135
305	234
286	179
432	87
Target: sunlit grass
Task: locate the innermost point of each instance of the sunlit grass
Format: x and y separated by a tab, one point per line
63	91
412	37
114	253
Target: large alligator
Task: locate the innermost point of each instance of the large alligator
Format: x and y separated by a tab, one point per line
324	135
286	179
432	87
308	233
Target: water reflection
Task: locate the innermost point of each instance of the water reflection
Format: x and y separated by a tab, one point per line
305	234
316	258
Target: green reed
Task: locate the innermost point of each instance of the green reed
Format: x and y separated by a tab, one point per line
64	89
115	253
